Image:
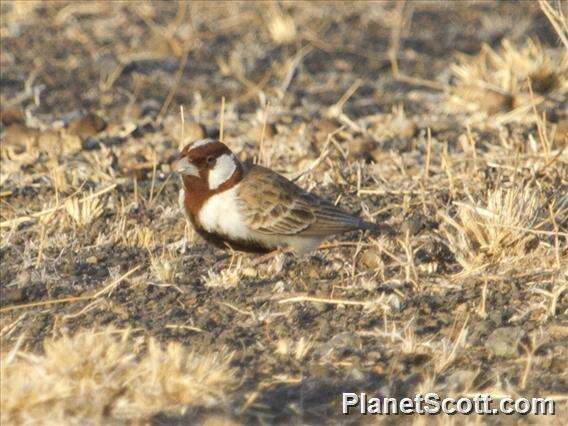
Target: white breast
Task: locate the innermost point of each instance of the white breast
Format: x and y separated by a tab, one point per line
220	214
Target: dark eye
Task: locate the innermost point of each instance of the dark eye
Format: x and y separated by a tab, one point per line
210	160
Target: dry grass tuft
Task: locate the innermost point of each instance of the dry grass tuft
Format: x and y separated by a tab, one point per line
95	377
397	124
498	231
281	27
83	212
498	80
140	236
226	278
173	377
297	350
164	266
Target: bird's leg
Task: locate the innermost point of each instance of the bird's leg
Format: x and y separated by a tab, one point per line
222	263
233	252
266	257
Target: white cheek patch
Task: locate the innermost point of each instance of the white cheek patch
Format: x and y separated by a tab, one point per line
183	166
224	168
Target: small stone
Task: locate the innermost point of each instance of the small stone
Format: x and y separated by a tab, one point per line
373	356
91	260
494	102
557	365
504	341
12	115
11	295
149	107
121	130
340	344
496	316
321	307
356	374
87	126
369	284
371	258
327	126
389	126
489	100
20	135
361	146
460	381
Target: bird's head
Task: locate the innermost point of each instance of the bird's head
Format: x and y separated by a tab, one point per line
208	165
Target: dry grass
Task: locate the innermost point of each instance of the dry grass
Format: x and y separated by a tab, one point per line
225	278
353	101
281	27
498	81
497	231
556	14
102	376
164	266
82	214
297	350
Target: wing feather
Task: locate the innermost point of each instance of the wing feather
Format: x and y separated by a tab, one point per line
271	204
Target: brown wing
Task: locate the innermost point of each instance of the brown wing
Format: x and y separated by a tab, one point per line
271	204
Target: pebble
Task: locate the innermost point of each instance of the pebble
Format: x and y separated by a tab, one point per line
87	126
11	295
371	258
504	341
340	343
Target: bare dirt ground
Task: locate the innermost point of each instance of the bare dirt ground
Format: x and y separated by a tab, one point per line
447	121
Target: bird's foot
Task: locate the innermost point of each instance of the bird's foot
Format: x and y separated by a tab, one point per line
268	256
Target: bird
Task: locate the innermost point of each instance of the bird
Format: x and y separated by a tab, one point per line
250	208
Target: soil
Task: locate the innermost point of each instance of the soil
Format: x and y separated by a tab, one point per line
118	63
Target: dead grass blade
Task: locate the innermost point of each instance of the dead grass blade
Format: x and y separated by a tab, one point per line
557	19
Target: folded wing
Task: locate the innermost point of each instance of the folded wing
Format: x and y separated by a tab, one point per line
271	204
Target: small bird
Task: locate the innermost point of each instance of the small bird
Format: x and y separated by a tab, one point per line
252	208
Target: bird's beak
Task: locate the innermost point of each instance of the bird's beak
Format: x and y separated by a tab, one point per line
183	166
